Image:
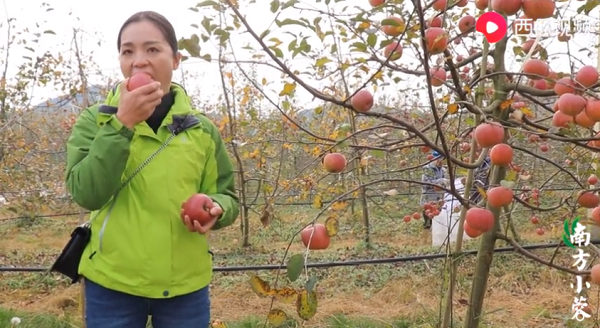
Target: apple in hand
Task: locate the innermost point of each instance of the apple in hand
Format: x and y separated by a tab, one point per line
137	80
320	237
197	207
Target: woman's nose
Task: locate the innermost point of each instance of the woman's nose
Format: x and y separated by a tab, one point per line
140	61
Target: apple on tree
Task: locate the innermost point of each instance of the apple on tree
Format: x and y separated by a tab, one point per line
198	207
363	101
320	237
334	162
592	180
500	196
478	221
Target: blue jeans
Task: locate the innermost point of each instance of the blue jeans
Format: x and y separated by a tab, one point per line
106	308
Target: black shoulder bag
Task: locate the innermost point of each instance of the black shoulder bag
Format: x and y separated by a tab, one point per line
68	261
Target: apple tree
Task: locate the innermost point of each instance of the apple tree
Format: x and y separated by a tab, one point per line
33	133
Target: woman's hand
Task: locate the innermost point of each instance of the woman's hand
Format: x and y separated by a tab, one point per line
137	105
195	226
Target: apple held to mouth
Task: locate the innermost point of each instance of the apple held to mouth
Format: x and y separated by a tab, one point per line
138	80
197	207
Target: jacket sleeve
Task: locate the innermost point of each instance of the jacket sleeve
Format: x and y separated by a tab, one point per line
429	176
481	176
218	178
96	159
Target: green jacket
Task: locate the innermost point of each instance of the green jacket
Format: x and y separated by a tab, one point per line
145	249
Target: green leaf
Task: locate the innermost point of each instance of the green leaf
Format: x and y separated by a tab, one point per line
322	61
507	184
274	6
295	266
207	57
378	153
289	3
310	284
372	40
588	6
191	45
359	46
264	34
289	21
517	50
207	3
277	51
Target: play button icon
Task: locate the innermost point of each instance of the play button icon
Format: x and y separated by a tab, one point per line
492	25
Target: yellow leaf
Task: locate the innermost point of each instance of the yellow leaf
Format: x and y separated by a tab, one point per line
286	295
264	81
306	304
316	151
318	202
364	162
277	317
482	192
218	324
527	111
452	108
467	89
332	225
511	175
339	205
334	135
445	99
506	103
364	25
288	88
260	287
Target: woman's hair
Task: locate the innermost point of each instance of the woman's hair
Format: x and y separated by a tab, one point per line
158	20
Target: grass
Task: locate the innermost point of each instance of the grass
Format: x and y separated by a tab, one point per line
520	293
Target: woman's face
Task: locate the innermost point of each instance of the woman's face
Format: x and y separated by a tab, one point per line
145	49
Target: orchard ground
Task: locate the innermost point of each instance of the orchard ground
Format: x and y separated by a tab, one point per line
521	292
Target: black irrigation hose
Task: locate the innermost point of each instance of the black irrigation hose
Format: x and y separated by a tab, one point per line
337	264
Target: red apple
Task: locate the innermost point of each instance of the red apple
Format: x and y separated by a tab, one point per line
320	237
197	207
137	80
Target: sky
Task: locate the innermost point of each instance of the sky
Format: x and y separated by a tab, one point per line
101	20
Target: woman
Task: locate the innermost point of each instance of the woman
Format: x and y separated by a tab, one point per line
433	173
150	150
